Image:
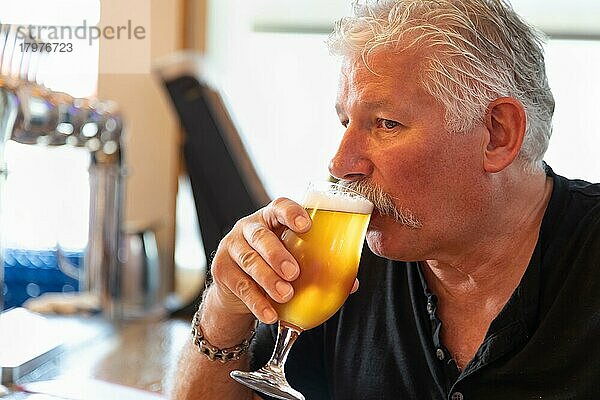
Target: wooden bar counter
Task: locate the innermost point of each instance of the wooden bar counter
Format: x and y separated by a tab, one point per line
140	354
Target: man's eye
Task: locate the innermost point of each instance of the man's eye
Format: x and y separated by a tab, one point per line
388	124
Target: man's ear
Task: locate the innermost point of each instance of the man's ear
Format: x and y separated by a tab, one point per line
506	122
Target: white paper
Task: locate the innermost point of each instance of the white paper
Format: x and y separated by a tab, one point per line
24	336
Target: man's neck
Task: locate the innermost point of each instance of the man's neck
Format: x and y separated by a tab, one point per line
497	258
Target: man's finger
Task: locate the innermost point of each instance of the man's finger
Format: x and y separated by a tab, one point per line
284	212
230	277
272	250
355	286
251	262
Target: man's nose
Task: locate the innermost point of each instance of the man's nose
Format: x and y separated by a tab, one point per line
351	162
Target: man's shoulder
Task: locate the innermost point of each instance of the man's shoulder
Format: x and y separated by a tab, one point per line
580	188
582	191
574	206
584	201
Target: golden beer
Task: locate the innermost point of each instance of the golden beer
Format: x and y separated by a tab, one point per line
328	255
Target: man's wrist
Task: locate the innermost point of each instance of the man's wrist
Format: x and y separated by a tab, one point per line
214	353
220	326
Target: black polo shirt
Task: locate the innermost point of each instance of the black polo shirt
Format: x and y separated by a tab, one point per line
385	342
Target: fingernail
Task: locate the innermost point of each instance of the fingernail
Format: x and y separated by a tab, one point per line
284	289
288	269
269	315
301	222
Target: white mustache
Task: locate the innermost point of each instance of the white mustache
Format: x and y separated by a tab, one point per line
383	202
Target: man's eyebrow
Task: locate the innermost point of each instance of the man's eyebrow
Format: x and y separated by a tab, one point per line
370	105
375	104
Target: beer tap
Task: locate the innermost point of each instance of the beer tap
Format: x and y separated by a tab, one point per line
32	114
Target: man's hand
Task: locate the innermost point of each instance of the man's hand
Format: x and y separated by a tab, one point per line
251	264
250	269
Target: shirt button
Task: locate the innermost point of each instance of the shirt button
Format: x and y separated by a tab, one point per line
457	396
440	354
430	308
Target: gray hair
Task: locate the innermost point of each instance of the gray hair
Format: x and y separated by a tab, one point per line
481	50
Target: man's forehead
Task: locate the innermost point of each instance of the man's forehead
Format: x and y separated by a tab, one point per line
383	61
386	67
353	66
355	75
386	74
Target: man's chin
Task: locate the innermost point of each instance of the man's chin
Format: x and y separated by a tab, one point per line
375	242
389	239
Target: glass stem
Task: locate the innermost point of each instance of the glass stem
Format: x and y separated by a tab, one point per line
286	336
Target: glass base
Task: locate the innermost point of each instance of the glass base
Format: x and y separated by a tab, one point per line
268	381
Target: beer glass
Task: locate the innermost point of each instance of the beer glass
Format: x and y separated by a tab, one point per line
328	255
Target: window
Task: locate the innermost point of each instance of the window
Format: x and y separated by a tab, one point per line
572	73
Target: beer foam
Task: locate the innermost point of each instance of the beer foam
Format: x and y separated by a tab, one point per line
337	202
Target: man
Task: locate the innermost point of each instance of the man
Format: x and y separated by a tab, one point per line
487	280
